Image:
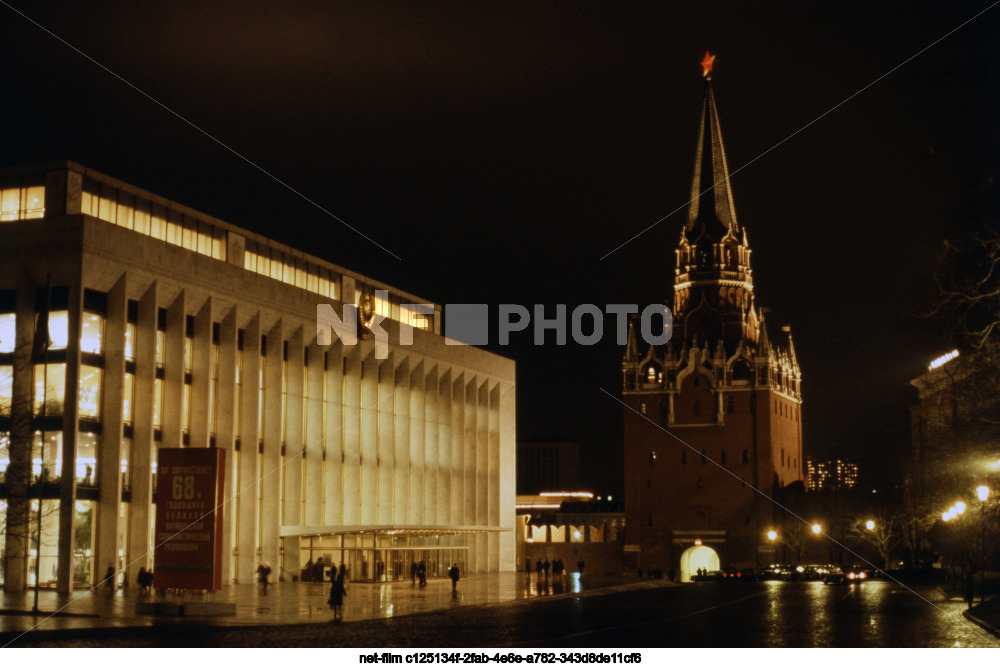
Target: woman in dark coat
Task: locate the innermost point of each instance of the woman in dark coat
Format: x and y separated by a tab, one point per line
337	594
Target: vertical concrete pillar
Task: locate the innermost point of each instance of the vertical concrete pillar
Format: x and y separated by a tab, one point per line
270	483
71	417
402	468
444	446
384	454
418	468
249	480
202	360
352	435
109	479
226	414
335	492
494	476
469	467
482	474
369	435
431	427
173	374
507	468
313	439
457	514
143	445
296	454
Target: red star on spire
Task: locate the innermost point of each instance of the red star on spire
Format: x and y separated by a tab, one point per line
706	65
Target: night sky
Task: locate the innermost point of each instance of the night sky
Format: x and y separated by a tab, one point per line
501	149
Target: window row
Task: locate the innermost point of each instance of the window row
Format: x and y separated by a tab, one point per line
153	220
291	270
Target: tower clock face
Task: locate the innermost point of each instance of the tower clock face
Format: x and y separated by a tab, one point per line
366	309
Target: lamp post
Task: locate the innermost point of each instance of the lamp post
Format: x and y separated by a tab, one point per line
983	492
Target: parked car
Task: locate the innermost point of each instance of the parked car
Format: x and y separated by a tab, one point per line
842	575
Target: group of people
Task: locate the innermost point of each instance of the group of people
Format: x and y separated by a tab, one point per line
557	567
418	571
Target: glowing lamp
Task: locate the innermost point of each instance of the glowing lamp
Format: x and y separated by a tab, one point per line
983	492
870	525
816	528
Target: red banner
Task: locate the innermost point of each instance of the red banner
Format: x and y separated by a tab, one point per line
188	536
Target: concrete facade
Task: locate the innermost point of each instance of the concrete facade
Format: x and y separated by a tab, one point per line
209	339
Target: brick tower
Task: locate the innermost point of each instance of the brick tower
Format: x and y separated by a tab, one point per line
713	419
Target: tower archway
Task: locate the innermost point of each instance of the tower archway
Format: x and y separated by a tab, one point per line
698	557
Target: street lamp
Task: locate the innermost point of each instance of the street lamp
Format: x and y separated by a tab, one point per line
870	525
816	528
772	535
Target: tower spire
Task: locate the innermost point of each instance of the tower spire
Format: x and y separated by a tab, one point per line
711	210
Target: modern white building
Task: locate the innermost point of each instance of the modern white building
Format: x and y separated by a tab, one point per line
170	328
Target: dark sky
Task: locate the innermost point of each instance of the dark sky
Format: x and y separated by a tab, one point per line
501	149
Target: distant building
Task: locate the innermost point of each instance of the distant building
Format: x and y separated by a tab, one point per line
833	475
713	419
573	526
547	466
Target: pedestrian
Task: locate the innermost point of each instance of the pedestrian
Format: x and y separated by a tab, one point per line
672	574
969	594
453	574
318	570
145	581
545	567
264	575
307	571
527	567
337	593
538	569
413	572
580	567
343	571
109	578
422	573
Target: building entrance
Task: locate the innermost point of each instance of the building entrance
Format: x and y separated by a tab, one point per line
698	557
382	557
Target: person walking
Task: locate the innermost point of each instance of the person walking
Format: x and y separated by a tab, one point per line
336	601
579	566
109	578
453	574
545	567
422	573
413	572
264	575
538	570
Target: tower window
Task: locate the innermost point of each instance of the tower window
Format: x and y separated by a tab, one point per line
651	374
731	405
684	456
722	458
704	457
695	383
696	408
746	457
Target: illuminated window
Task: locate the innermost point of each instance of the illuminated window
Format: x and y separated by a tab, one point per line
91	332
125	216
186	408
188	354
90	392
142	219
51	454
54	392
58	329
22	203
4	457
8	332
6	389
127	398
158	227
86	458
157	403
650	374
160	341
130	341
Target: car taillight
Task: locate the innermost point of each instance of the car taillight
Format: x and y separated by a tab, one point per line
739	574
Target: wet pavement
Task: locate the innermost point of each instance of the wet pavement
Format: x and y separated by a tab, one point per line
608	613
286	603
